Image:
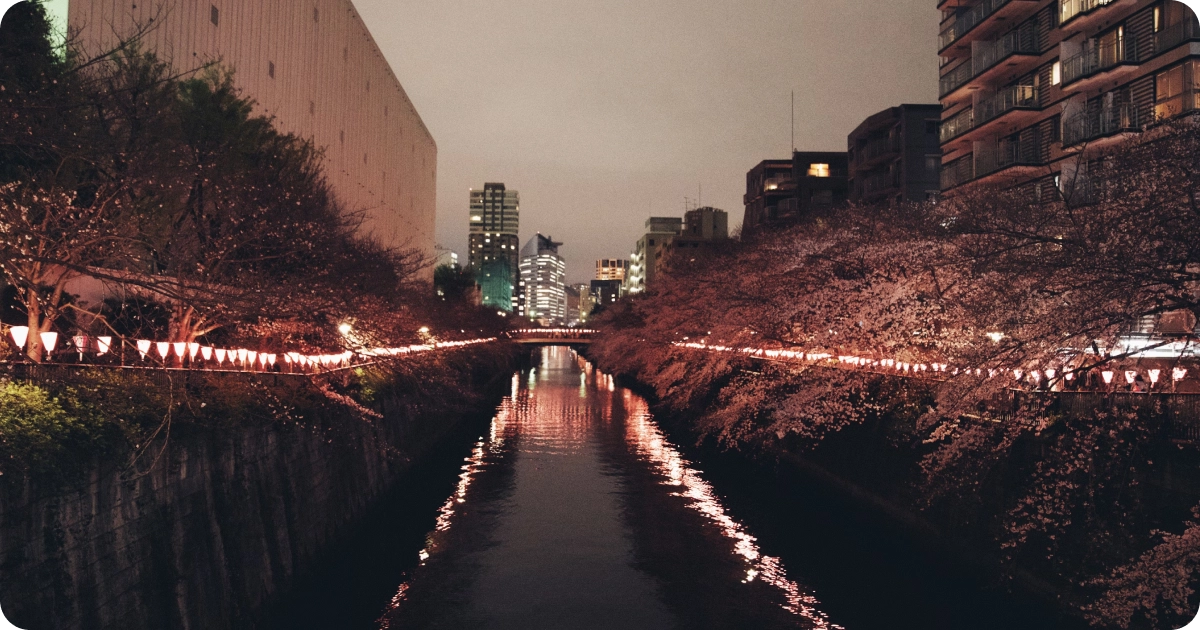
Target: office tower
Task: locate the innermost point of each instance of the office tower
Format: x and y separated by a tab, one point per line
494	246
544	273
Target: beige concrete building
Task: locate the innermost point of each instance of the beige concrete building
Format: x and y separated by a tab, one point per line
313	65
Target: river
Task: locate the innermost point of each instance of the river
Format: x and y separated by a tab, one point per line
573	510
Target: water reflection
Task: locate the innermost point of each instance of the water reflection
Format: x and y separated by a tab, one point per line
575	511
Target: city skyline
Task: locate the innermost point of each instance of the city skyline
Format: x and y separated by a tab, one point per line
602	128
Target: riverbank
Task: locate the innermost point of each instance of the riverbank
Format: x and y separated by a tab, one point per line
211	520
875	468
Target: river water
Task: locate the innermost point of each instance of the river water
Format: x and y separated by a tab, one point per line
574	511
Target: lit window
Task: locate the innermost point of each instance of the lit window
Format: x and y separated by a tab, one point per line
818	170
476	218
1056	73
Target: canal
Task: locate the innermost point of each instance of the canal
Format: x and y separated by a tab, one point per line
574	510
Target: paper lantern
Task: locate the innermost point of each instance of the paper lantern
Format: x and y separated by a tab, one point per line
20	335
1130	376
103	345
1050	374
1018	374
271	359
251	355
49	340
207	353
242	353
262	360
143	346
1154	376
81	343
220	355
1108	377
180	348
1178	374
193	350
164	349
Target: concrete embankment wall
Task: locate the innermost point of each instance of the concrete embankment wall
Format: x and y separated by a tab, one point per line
223	524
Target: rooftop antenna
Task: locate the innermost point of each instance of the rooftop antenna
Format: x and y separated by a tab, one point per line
793	121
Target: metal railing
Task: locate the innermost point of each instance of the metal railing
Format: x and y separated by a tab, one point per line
956	78
1176	34
878	148
1104	121
1069	9
958	172
966	20
1007	154
1006	100
878	182
958	125
1099	57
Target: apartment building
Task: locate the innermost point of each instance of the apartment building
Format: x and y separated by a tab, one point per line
645	262
895	155
612	269
1027	85
783	192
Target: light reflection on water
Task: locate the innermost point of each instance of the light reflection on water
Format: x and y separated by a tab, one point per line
649	442
547	444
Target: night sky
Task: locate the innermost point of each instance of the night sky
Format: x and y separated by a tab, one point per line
603	113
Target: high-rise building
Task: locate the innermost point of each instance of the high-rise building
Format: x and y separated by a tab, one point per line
494	245
544	275
318	73
612	269
1027	85
779	192
895	155
647	254
606	292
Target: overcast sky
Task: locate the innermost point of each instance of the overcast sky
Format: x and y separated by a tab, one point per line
604	113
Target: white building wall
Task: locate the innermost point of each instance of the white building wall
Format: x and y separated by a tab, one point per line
331	84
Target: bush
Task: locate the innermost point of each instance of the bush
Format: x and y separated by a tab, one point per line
36	430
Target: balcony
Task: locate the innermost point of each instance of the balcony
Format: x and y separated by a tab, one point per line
1175	35
1012	98
878	184
957	126
1100	60
1008	156
987	61
1077	13
966	20
958	172
1189	101
1002	104
878	150
1105	122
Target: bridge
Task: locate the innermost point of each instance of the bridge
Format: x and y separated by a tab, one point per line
552	336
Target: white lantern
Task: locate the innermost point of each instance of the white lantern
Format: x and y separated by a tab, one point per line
1130	376
164	349
20	335
103	345
1108	377
1154	376
1178	374
180	348
206	352
193	350
220	352
143	346
1050	374
49	340
242	353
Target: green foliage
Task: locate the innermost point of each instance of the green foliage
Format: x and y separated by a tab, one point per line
38	431
452	282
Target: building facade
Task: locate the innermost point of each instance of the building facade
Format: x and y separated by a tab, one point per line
544	274
647	254
315	68
702	229
1027	85
895	156
494	245
779	192
612	269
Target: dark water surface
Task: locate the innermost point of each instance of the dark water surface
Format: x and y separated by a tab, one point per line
575	511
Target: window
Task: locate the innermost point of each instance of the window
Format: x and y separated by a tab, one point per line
1168	92
818	170
316	14
312	107
933	165
271	69
1157	19
1056	73
215	16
